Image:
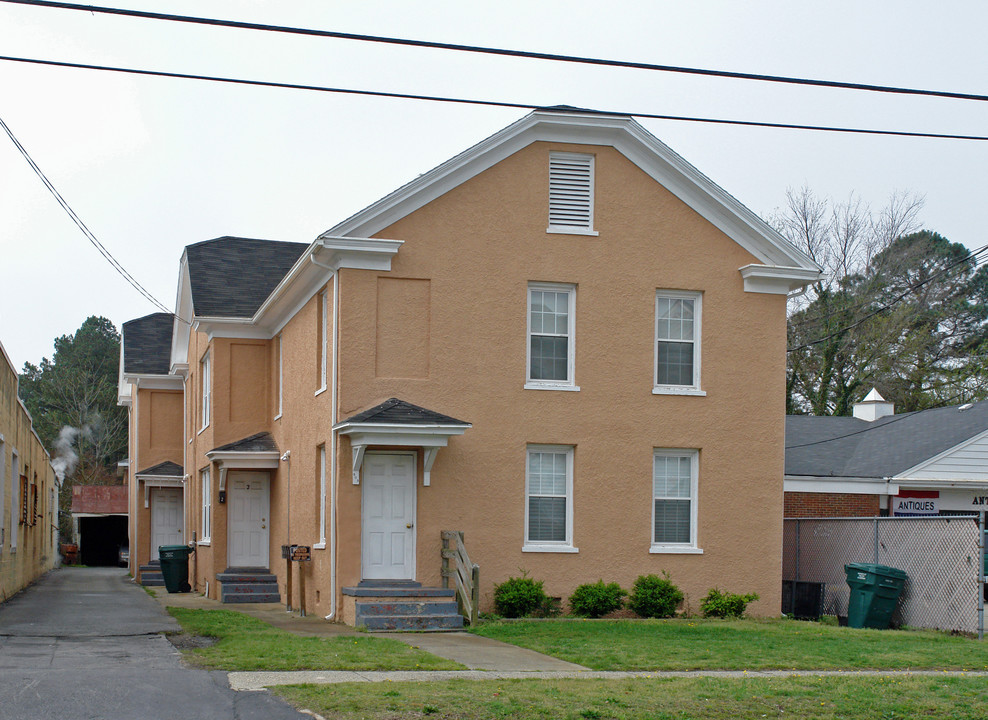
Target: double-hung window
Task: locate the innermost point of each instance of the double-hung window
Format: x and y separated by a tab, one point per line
321	471
674	488
551	337
549	499
677	343
206	389
207	506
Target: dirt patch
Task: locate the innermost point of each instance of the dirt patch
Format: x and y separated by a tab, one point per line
185	641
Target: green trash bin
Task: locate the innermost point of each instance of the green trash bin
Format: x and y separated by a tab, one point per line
875	591
175	567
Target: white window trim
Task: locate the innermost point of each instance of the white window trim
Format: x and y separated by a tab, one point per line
206	487
574	229
207	390
323	345
564	546
321	545
281	375
570	384
693	389
690	548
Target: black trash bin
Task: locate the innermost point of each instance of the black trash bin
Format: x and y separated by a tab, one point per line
875	590
175	567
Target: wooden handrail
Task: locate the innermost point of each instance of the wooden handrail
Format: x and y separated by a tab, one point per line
466	575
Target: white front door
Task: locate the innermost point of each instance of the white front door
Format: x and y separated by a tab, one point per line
387	536
247	516
166	518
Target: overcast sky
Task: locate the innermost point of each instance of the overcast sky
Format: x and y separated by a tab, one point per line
153	164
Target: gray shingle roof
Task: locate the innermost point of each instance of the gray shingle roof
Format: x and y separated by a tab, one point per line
232	277
261	442
398	412
848	447
164	469
147	344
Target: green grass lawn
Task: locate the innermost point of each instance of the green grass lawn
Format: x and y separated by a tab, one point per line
847	698
737	645
246	643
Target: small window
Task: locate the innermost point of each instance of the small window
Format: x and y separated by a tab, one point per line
206	382
322	344
207	506
24	500
677	343
321	473
34	502
549	499
571	181
551	337
674	487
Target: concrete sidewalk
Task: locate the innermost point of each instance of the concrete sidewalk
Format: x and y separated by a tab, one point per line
473	651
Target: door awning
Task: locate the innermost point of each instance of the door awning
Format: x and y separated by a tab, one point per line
396	422
256	452
164	474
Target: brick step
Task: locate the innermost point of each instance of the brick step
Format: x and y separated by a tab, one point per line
431	623
241	578
372	609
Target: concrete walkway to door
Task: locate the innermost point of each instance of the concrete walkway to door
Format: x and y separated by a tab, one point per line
473	651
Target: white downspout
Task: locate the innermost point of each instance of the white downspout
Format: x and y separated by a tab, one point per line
332	438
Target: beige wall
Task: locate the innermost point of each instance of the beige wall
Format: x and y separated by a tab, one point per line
446	329
27	549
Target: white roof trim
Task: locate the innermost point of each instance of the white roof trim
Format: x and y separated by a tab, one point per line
776	280
848	485
625	135
263	459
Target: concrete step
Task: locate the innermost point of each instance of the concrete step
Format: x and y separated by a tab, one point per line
251	597
401	591
371	609
430	623
246	577
263	587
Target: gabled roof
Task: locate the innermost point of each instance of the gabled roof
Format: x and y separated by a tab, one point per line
232	277
147	344
260	442
885	448
791	267
398	412
164	469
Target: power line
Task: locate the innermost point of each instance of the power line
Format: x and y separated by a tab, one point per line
478	49
488	103
892	302
896	419
114	263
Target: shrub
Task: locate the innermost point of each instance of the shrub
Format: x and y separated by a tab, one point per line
654	596
596	599
518	597
725	604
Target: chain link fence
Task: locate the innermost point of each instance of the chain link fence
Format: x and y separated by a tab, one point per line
941	555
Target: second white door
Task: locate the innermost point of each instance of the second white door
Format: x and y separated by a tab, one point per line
248	518
387	536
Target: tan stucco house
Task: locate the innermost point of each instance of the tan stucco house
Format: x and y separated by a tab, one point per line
565	342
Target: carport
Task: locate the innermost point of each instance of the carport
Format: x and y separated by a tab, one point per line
99	521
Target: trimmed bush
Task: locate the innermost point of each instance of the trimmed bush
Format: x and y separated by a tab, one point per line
596	599
518	597
724	604
654	596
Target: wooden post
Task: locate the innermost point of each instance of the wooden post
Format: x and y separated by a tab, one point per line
288	584
474	594
445	569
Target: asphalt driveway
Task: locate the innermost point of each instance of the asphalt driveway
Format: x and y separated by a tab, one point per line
86	643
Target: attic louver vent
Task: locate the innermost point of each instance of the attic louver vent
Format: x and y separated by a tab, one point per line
571	193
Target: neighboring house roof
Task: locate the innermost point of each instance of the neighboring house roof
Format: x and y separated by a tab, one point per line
99	499
261	442
232	277
884	448
164	469
147	344
398	412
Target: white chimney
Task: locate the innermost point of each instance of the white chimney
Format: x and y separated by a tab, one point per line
874	406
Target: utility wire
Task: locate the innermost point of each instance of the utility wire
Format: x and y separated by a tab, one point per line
477	49
892	302
81	225
870	428
488	103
